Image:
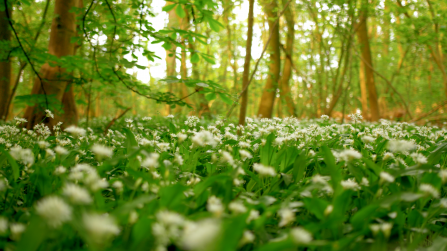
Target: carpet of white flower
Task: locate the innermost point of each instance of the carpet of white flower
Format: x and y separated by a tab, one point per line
190	184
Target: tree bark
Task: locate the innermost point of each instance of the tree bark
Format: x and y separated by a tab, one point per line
245	76
287	70
5	64
71	115
170	56
269	92
54	82
366	73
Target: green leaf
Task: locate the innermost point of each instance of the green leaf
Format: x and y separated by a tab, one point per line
168	8
299	167
208	59
195	58
440	243
14	165
225	99
363	216
210	96
179	11
214	24
33	236
335	172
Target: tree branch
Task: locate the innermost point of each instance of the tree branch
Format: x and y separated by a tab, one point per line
24	52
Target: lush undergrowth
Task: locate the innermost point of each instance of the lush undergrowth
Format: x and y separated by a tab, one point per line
188	184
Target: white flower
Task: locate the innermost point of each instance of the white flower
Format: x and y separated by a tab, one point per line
419	158
60	150
169	218
318	179
16	230
245	154
368	139
3	225
60	170
388	156
247	237
215	206
443	175
429	190
43	144
287	216
100	228
365	182
24	155
147	118
349	155
118	185
324	117
264	170
204	138
254	214
356	117
200	235
301	235
386	177
75	131
54	210
163	146
102	151
399	146
49	114
170	116
385	228
181	137
151	161
178	159
328	210
77	194
350	184
237	207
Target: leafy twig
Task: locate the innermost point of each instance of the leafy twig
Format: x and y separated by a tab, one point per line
114	120
24	52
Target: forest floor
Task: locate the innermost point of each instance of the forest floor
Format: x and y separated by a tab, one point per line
168	183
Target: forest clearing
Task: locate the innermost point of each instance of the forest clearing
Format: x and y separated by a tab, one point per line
223	125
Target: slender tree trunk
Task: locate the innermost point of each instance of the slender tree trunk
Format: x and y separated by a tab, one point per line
5	63
63	28
170	57
269	91
245	76
366	73
286	94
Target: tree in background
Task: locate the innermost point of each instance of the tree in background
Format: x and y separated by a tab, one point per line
367	83
269	92
52	80
246	74
5	62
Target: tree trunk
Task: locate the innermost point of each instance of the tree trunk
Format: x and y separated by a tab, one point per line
245	76
63	28
71	114
269	91
5	63
366	73
287	70
170	56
